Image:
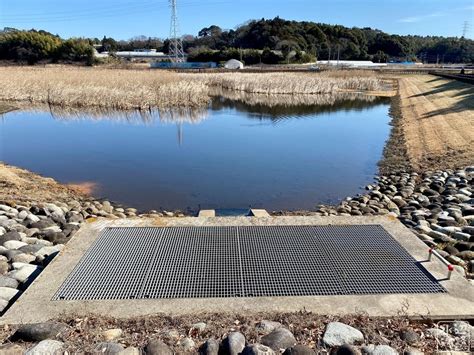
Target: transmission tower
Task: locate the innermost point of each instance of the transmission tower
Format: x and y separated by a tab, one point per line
176	44
465	28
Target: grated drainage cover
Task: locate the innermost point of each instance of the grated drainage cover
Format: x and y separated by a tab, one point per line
255	261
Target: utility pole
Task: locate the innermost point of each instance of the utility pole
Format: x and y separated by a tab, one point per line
176	43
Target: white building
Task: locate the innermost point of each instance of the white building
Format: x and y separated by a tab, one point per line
234	64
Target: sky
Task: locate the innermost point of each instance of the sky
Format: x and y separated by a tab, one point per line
124	19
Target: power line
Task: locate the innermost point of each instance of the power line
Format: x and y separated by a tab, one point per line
92	14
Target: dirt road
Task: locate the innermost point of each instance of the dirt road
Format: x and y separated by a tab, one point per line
437	122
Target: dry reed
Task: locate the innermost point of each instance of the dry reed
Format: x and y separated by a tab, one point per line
289	83
103	88
120	89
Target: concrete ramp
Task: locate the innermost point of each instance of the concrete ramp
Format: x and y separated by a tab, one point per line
328	265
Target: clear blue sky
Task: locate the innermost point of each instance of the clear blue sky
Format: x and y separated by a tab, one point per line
123	19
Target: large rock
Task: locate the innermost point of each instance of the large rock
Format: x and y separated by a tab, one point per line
40	331
338	334
26	273
50	347
258	349
12	235
210	347
108	348
383	350
234	343
157	347
299	350
14	244
345	350
6	281
267	326
130	351
280	338
7	293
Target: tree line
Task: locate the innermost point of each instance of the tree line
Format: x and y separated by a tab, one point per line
270	41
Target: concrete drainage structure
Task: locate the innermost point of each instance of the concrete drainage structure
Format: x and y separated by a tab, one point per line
327	265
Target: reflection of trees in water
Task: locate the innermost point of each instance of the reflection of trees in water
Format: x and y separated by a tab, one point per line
171	116
272	107
276	107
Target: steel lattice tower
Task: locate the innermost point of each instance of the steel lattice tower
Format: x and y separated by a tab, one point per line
176	44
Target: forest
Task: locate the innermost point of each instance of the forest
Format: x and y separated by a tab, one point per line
270	41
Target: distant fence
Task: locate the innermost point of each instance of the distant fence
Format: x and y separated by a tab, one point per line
465	78
185	65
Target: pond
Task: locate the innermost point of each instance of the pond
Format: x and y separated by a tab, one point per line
238	152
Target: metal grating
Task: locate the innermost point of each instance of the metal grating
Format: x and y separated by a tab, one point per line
254	261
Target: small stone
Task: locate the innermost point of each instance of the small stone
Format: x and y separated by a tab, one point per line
7	293
39	331
187	344
410	337
4	267
199	326
460	328
234	343
299	350
112	334
210	347
109	348
50	347
11	349
267	326
258	349
107	207
338	334
438	334
280	338
157	347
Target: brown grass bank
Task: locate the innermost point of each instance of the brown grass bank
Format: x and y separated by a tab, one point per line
436	122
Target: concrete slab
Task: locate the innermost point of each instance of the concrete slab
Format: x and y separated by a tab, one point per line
207	213
35	305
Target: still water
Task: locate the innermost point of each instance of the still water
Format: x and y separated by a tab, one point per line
235	154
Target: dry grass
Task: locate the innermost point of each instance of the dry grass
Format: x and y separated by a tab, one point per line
290	83
131	89
93	87
437	122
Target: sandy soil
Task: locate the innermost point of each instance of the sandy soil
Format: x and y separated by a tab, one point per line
437	122
20	186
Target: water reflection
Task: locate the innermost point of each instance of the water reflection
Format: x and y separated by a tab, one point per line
222	159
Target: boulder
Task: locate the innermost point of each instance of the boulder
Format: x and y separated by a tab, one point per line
299	350
40	331
210	347
280	338
338	334
258	349
157	347
234	343
267	326
7	293
50	347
